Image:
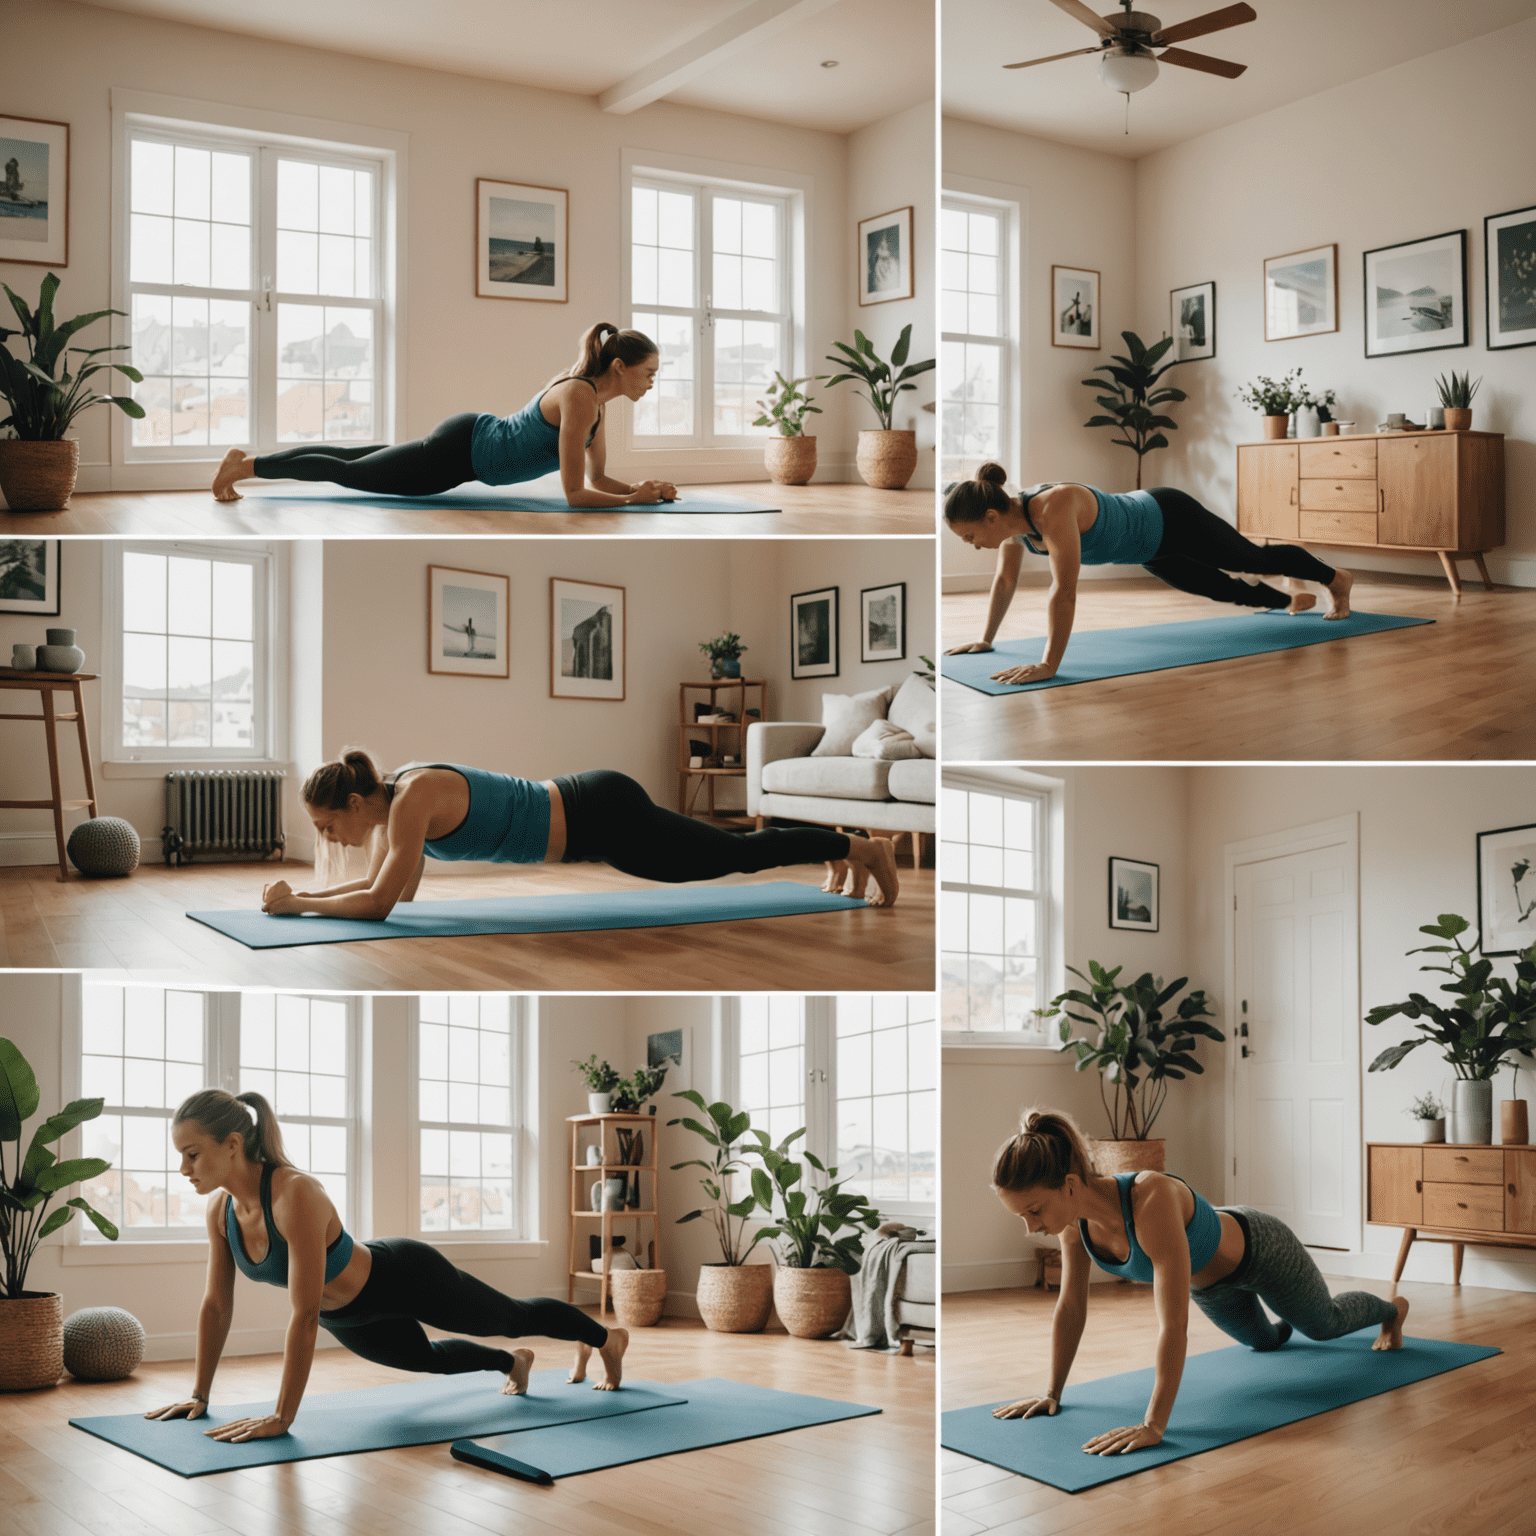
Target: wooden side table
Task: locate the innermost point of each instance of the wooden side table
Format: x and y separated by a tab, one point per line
45	685
713	688
582	1174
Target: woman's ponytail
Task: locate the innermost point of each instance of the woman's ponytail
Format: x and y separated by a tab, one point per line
603	344
1047	1147
220	1115
967	501
331	785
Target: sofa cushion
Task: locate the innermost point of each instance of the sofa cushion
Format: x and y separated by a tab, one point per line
845	716
915	708
915	780
886	741
839	778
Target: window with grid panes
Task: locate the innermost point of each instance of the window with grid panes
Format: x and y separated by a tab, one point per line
975	340
771	1063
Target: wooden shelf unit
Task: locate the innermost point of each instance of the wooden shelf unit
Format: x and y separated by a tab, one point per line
725	745
45	685
581	1176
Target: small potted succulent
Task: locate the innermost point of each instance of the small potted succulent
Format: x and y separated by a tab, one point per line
887	456
1274	400
1456	396
1428	1115
601	1080
790	456
724	653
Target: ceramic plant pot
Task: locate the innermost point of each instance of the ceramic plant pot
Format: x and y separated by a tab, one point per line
886	459
38	477
1431	1130
790	460
597	1103
735	1298
61	654
1128	1156
638	1295
1277	426
1514	1123
31	1341
1458	419
23	658
812	1303
1474	1111
1307	422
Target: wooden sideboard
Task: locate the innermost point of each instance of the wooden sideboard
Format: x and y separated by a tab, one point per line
1451	1192
1437	492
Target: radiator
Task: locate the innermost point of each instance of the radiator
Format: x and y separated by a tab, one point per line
234	814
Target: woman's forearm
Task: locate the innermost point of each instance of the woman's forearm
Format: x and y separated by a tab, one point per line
1172	1345
609	484
342	890
212	1330
588	497
1003	587
363	904
1066	1334
1060	610
298	1357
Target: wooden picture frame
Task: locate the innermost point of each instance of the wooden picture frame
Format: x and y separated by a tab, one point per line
885	257
1075	308
467	630
34	175
522	241
1421	314
883	622
814	633
1192	322
588	640
29	578
1509	293
1301	293
1135	900
1502	930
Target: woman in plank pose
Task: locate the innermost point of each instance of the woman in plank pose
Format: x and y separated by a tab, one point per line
561	428
1163	529
372	1297
1153	1226
454	812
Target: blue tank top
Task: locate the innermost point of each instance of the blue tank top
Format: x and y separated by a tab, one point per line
507	821
1203	1232
273	1270
506	449
1127	530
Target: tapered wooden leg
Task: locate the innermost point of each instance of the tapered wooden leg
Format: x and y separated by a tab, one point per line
50	725
1482	570
1456	1252
758	823
1450	571
906	1346
919	845
85	749
1409	1233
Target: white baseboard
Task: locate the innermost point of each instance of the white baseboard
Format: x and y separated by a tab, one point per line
38	847
1504	1269
242	1341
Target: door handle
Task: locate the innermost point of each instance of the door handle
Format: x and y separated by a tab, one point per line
1246	1052
1418	1186
1293	496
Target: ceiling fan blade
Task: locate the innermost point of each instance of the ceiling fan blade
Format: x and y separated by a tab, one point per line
1212	21
1201	61
1087	17
1051	58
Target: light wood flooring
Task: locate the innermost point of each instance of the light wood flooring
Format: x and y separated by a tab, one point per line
1463	687
139	924
806	509
864	1477
1450	1456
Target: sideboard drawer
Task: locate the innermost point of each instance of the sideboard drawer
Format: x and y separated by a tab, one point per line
1473	1206
1339	527
1464	1165
1349	461
1338	495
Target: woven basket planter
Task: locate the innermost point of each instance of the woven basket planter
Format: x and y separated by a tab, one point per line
735	1298
38	477
812	1303
31	1341
1458	419
886	459
790	460
637	1296
1129	1156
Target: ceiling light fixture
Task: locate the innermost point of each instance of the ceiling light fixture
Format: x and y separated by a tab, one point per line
1127	69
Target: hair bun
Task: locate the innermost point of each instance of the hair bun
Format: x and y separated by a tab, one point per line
992	473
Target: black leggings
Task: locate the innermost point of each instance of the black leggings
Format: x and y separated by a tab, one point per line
431	464
412	1283
609	819
1198	548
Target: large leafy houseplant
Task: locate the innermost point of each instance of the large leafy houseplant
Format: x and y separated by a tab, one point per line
786	406
882	384
723	1134
808	1222
1131	1042
1131	400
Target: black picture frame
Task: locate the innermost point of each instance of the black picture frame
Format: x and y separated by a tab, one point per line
1494	927
11	555
1458	299
822	640
1122	895
1492	285
869	653
1176	296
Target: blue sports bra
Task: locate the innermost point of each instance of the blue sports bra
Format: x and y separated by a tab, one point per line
1127	530
273	1269
506	449
507	821
1203	1232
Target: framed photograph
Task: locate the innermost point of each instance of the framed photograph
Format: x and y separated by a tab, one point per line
813	642
1509	264
672	1049
521	238
586	640
467	622
1416	296
1192	322
1506	889
1074	308
883	623
34	191
885	257
1301	293
29	577
1133	895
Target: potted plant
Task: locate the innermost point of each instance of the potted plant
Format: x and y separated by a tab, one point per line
1274	400
886	457
733	1295
790	457
601	1080
1456	396
1132	402
818	1234
38	466
724	653
1133	1046
630	1093
32	1322
1428	1115
1489	1018
1313	408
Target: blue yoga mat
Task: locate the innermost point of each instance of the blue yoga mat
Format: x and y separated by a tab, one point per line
715	1413
1225	1395
421	1412
656	907
543	495
1098	653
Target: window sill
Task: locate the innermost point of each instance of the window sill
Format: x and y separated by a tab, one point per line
154	768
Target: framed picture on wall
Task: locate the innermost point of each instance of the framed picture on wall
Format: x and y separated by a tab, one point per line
1506	889
1301	293
813	640
1133	895
29	577
1416	296
1509	265
883	622
521	236
1075	308
587	640
467	622
885	257
672	1049
1192	322
34	191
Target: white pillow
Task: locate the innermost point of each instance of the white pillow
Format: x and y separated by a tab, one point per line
885	741
845	717
915	709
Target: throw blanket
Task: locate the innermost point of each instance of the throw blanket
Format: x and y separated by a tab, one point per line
872	1321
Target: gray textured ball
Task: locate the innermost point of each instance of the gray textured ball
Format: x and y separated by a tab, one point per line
102	1343
104	845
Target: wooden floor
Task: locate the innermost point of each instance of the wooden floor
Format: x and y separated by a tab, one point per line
139	924
864	1477
830	508
1463	687
1450	1456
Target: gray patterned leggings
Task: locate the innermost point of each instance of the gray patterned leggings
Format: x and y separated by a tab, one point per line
1277	1268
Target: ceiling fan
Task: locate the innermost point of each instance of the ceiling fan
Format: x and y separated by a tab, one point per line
1127	61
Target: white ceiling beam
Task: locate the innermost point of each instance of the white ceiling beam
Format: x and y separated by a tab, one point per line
739	31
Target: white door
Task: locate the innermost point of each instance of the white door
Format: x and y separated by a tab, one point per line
1295	1018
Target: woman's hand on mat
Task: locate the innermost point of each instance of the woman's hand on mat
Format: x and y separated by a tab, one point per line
1035	672
1134	1437
649	491
192	1408
237	1431
1027	1408
279	899
966	650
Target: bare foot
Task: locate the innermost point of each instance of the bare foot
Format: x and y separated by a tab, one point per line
1391	1336
1338	591
612	1356
1300	602
236	465
837	876
516	1383
579	1369
875	856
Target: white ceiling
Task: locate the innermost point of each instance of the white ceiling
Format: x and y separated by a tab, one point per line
884	48
1296	48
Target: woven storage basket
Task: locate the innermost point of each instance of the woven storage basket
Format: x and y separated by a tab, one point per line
886	459
637	1296
38	477
812	1302
790	460
735	1298
104	845
31	1341
1128	1156
102	1344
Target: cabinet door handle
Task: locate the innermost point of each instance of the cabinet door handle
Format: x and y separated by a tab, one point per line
1461	1157
1418	1186
1293	496
1381	500
1461	1205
